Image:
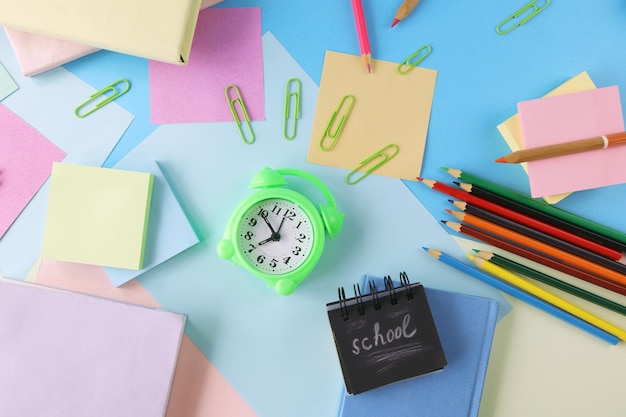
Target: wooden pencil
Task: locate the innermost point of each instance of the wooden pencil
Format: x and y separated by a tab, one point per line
539	258
541	247
564	148
543	216
547	228
541	237
538	205
548	296
403	11
523	296
525	270
361	31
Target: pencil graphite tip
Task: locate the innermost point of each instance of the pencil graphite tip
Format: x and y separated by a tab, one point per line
420	179
501	159
395	22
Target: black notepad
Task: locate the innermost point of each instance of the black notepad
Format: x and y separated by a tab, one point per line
385	336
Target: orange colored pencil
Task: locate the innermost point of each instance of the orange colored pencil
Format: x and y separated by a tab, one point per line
541	247
565	148
537	257
403	11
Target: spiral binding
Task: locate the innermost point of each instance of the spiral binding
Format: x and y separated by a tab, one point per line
393	292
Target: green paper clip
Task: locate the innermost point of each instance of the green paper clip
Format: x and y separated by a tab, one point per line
335	135
114	93
414	60
296	114
523	15
244	112
384	157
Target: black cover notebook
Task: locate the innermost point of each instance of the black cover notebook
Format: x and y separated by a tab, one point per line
385	336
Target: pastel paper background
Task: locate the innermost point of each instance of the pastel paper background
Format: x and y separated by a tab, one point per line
568	117
169	230
380	98
7	84
84	355
227	49
97	216
26	159
198	389
235	320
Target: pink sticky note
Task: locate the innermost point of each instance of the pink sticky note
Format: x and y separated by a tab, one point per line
26	158
569	117
198	388
227	49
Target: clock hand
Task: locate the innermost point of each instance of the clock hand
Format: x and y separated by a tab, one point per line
264	217
263	242
280	226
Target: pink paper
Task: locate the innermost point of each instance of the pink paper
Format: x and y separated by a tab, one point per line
198	389
569	117
26	159
37	53
227	49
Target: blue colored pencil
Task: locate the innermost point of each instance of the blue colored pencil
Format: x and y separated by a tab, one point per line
523	296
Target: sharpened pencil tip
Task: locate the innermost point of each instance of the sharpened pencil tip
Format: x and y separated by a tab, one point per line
395	22
425	248
419	178
501	159
445	169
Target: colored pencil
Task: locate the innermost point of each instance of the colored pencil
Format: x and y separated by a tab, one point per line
547	296
404	10
564	148
544	248
361	31
525	270
536	257
544	227
542	237
525	297
538	205
542	216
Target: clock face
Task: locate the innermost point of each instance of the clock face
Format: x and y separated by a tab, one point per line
275	236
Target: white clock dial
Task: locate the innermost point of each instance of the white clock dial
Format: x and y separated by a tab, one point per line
275	236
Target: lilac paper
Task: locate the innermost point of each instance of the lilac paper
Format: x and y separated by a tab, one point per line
69	354
227	49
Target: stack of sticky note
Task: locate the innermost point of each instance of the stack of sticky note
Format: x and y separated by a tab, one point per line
97	216
575	110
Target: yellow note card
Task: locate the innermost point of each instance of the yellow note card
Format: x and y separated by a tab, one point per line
156	29
97	216
388	108
511	130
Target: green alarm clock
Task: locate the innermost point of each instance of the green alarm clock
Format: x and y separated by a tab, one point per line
277	233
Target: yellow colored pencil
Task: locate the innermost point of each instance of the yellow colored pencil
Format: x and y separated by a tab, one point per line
539	292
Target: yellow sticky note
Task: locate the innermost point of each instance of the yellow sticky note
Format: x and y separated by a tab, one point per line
389	108
511	130
97	216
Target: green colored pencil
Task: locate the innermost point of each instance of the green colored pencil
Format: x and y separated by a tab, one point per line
554	282
537	204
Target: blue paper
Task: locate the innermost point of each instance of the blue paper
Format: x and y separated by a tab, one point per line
169	230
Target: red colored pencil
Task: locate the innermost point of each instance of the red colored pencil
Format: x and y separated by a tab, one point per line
541	247
509	213
536	257
361	30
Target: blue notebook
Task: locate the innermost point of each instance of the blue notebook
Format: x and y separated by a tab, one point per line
466	326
